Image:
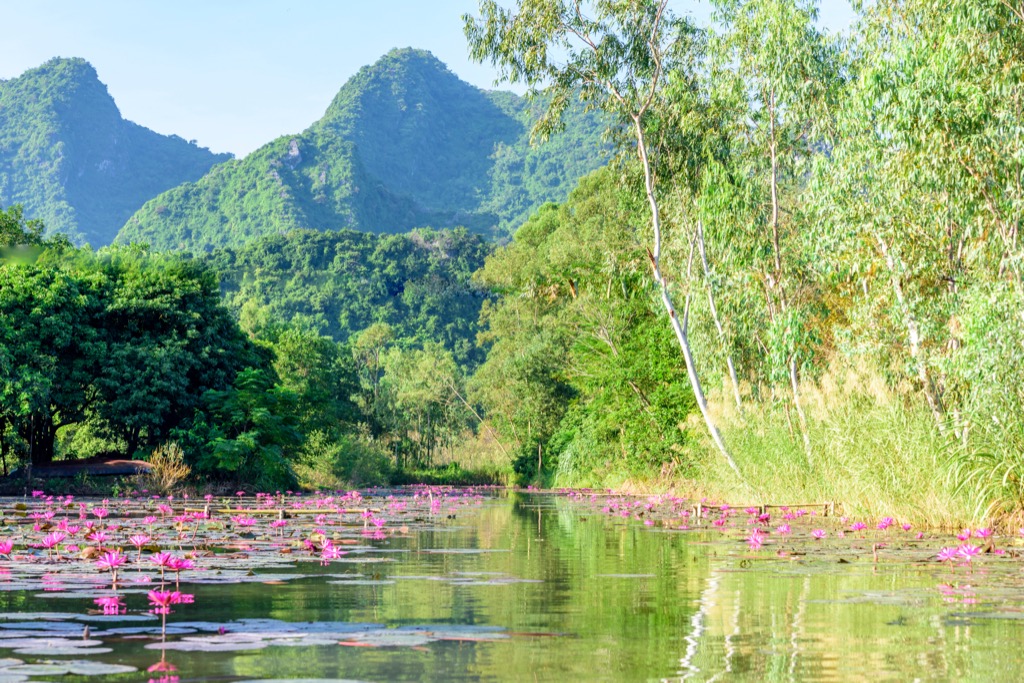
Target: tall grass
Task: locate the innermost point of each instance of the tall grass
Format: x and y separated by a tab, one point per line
874	451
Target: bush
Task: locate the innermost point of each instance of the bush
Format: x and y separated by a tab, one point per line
167	469
331	462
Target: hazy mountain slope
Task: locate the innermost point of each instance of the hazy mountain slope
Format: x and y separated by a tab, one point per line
68	156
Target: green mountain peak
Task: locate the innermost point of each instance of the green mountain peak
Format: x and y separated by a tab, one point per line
69	157
404	144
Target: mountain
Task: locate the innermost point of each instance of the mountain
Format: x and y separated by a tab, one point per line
70	159
404	144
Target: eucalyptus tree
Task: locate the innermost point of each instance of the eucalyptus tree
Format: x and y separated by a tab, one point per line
927	181
924	199
612	55
775	81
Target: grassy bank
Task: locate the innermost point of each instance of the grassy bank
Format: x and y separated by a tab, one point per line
873	451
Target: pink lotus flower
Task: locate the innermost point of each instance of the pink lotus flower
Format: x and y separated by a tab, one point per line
98	537
907	527
819	534
111	561
964	535
782	529
330	552
111	605
101	512
6	547
885	523
983	533
756	539
967	551
139	540
53	539
179	564
858	526
161	559
162	600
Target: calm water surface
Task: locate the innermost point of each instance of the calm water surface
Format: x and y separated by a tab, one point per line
551	589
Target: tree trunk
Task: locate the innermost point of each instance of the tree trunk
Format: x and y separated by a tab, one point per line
714	316
42	439
795	383
913	338
666	299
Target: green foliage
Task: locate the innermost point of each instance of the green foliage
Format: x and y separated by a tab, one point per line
580	364
340	283
404	144
248	432
823	204
333	462
73	162
121	344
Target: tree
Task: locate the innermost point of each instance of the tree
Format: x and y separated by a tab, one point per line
774	84
249	431
619	59
53	347
168	341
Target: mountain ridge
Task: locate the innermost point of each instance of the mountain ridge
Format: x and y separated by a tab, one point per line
404	144
70	158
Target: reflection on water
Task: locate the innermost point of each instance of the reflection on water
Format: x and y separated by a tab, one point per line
535	587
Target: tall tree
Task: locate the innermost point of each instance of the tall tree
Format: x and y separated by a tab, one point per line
775	81
616	55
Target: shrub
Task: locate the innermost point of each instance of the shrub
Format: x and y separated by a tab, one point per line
167	469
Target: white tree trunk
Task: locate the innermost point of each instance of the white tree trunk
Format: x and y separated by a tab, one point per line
678	327
714	316
913	338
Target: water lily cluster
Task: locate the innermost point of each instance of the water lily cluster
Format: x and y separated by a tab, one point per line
780	527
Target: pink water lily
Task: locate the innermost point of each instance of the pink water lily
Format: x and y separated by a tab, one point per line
819	534
330	552
6	547
162	600
53	540
111	560
967	551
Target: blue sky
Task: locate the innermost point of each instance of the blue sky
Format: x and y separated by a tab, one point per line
235	74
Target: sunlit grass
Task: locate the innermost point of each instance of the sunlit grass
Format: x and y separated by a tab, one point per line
874	452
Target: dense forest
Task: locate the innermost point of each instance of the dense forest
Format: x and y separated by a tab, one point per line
829	228
127	351
799	277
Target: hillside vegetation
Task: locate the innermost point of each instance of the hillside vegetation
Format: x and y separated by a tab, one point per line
404	144
69	159
339	283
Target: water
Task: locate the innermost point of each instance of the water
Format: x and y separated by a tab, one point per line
538	587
